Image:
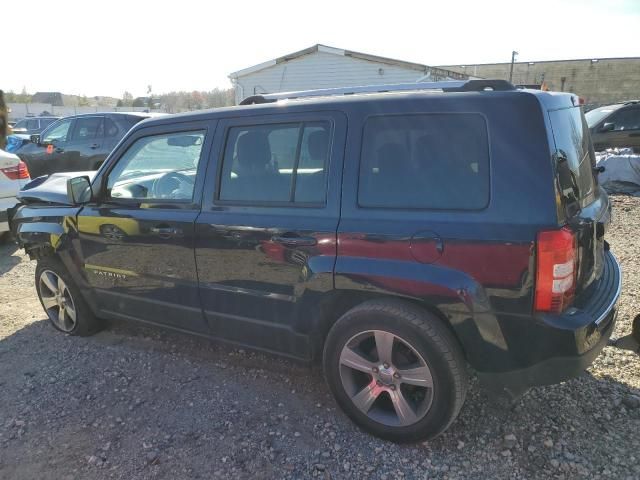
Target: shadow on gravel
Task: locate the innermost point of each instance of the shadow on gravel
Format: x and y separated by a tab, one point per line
626	343
7	260
137	402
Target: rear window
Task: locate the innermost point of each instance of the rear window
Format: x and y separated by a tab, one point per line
573	146
431	161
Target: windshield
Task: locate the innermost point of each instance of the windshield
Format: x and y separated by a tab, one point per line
595	116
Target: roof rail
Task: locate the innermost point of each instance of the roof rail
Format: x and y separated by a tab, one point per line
445	86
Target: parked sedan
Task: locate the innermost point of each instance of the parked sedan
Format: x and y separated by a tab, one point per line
79	142
13	176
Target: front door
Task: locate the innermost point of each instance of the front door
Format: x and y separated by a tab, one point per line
266	238
626	129
44	158
137	241
85	141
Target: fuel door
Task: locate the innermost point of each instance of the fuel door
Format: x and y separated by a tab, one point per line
426	246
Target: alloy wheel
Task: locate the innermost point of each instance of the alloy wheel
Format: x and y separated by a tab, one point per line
57	300
386	378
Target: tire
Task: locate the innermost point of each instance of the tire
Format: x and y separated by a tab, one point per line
419	339
85	322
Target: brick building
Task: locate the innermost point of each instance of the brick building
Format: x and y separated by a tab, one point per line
598	80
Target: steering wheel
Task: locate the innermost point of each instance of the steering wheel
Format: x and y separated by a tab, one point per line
173	185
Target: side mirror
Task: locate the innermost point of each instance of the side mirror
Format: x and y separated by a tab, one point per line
607	127
79	190
35	138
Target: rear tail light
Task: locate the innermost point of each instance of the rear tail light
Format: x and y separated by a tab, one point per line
556	270
19	172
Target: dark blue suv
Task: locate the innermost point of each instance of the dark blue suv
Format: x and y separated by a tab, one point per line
396	234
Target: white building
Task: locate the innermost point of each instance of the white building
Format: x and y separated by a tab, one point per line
326	67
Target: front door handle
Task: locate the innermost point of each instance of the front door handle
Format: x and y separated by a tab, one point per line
634	134
94	146
59	150
165	231
295	241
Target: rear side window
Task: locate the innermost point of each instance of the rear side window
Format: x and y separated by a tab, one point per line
284	163
431	161
574	155
109	129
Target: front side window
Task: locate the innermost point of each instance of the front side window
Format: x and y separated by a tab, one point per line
596	115
628	119
87	128
158	167
58	133
45	122
284	162
431	161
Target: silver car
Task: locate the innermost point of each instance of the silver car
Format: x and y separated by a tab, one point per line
13	176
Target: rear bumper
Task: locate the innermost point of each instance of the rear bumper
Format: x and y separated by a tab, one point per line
5	205
569	342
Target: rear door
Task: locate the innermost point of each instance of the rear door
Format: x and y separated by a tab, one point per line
266	237
137	242
584	205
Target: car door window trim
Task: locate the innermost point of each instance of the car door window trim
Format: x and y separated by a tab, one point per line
302	122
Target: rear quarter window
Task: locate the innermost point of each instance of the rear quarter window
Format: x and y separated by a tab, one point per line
573	145
430	161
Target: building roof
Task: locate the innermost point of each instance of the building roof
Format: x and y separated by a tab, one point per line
52	98
346	53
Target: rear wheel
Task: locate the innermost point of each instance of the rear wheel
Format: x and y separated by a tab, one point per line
395	370
62	302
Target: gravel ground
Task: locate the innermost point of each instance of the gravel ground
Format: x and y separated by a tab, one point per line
132	402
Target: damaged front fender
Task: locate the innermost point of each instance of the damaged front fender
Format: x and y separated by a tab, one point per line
41	228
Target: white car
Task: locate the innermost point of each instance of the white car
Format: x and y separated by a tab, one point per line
13	176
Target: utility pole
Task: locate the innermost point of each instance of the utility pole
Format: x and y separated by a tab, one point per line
513	59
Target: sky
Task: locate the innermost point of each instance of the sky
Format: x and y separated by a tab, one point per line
106	48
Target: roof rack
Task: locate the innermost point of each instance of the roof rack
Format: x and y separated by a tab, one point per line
445	86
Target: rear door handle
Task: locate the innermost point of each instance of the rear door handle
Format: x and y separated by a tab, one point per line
634	134
295	241
59	150
94	146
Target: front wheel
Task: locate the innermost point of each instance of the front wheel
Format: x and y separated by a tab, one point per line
61	299
395	370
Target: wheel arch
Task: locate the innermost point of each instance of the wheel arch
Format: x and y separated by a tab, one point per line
339	302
